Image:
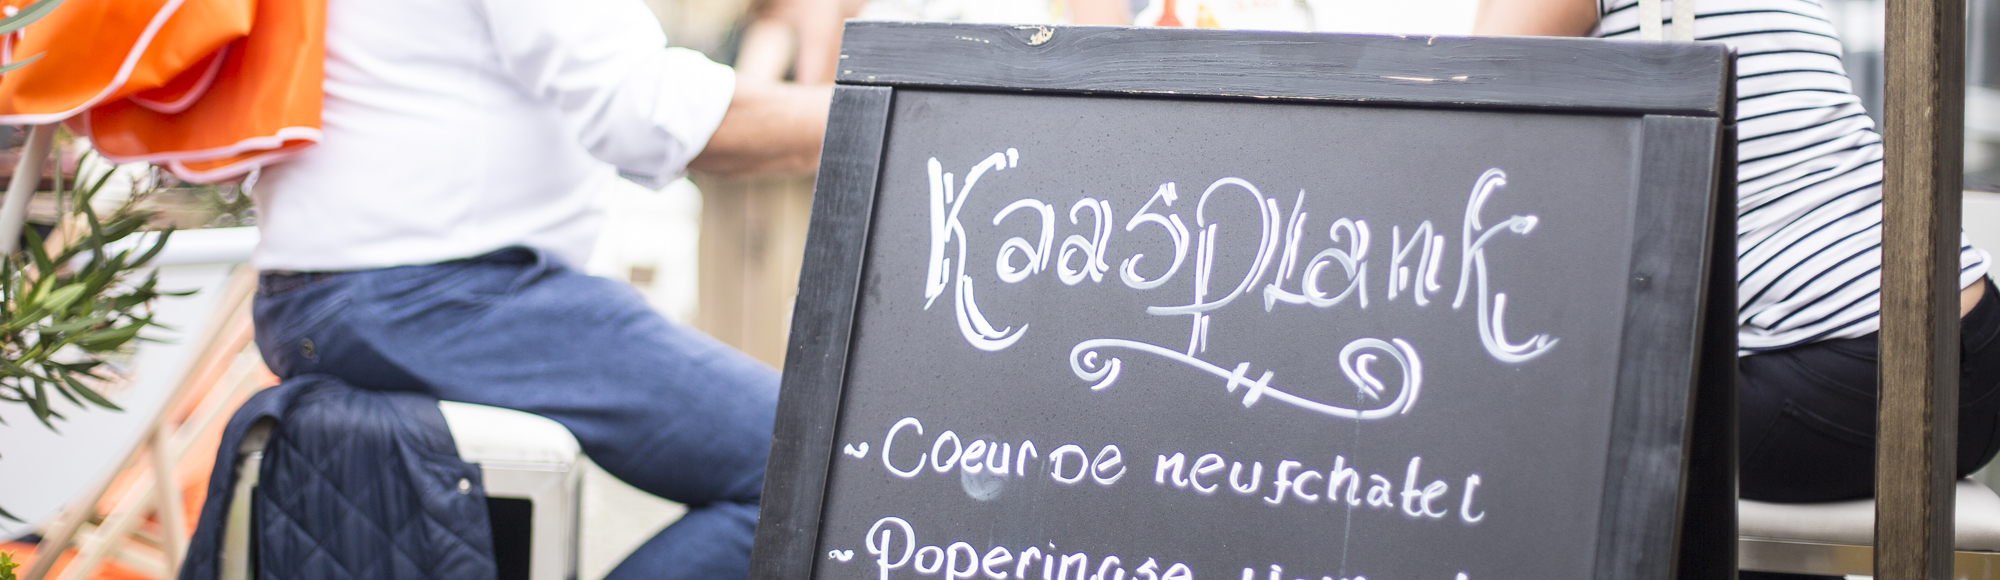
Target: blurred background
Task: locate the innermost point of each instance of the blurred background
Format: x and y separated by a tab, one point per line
718	253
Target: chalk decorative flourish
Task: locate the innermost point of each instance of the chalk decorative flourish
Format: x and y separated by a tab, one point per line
1090	364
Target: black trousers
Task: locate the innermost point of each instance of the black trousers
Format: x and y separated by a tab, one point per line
1807	414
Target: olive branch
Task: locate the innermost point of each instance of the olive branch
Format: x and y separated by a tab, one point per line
57	322
69	303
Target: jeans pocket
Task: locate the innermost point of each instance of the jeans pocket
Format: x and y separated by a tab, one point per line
285	335
1829	428
1807	457
1843	367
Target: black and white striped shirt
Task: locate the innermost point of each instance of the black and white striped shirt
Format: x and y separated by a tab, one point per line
1809	173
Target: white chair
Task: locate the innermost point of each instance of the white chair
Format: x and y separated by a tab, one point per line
1838	538
532	470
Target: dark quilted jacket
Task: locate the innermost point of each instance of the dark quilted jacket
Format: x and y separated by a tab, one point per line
355	485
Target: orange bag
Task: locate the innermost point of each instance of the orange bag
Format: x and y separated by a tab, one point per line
211	89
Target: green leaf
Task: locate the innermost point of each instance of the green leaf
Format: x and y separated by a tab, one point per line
158	244
82	367
20	63
39	403
36	251
36	351
87	393
98	281
7	564
140	294
63	297
28	15
84	323
101	180
104	340
40	288
122	227
66	394
24	320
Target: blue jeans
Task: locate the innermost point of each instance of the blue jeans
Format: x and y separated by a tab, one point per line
662	407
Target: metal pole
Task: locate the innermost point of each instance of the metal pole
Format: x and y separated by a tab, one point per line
1916	454
27	174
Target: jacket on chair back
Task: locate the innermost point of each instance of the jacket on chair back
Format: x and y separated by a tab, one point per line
355	484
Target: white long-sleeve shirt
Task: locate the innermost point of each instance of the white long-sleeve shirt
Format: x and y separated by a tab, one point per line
458	127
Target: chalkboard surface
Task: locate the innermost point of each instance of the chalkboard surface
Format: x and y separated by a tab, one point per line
1068	334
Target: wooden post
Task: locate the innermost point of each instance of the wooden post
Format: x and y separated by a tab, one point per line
1922	131
753	234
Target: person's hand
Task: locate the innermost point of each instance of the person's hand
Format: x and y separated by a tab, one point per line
802	36
767	50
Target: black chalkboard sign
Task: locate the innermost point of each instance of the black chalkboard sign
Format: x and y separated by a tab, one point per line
1161	304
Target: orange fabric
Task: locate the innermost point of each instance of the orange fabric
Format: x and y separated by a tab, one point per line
209	88
24	554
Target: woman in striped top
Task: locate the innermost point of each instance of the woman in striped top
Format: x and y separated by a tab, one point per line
1809	257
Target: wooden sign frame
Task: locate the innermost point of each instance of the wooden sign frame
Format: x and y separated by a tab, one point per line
1670	485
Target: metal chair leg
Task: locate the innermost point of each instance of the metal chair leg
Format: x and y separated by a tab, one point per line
236	534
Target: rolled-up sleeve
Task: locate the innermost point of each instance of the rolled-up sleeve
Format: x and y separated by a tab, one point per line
630	100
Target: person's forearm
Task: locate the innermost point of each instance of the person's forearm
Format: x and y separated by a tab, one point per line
1535	17
769	127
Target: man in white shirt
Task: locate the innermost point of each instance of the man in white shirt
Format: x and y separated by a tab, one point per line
427	243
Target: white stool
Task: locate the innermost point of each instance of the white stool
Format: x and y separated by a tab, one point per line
532	471
1838	538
